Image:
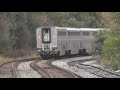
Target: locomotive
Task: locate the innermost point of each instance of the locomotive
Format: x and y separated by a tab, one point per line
56	41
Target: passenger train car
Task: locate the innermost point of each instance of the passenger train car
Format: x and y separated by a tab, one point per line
60	41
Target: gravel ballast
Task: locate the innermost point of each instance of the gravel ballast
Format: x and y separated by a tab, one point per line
25	71
87	67
64	64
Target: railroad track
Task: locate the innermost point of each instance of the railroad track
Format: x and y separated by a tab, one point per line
47	70
6	70
100	72
40	70
14	70
9	69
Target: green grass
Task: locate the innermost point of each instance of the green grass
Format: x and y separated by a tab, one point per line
4	59
105	63
112	64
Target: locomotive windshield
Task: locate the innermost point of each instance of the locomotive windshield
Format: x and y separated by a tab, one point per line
46	35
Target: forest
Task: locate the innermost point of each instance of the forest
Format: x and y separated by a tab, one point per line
18	30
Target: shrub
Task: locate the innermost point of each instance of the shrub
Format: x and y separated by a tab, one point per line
111	52
20	53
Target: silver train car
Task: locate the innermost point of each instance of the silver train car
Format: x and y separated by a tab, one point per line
59	41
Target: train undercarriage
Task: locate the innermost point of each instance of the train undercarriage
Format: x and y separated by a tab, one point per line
56	55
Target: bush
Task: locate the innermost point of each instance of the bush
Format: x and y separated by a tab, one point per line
111	52
19	53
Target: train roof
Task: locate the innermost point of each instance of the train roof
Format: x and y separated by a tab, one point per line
92	29
78	29
82	29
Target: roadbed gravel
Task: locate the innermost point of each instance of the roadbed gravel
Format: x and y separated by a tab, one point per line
25	71
64	64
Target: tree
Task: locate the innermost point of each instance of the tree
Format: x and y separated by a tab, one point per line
19	28
111	49
5	44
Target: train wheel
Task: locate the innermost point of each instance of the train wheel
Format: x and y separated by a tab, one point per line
84	51
50	56
57	55
69	53
66	53
80	52
45	57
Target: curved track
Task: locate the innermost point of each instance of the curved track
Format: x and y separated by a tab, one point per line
40	70
9	69
47	70
100	72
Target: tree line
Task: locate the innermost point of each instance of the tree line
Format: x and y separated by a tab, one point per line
111	40
18	29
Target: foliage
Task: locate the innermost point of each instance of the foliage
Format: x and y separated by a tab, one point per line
18	29
111	45
102	35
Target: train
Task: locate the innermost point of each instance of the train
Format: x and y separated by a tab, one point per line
56	41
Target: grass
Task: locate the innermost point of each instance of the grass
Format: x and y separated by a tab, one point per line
112	64
105	63
5	58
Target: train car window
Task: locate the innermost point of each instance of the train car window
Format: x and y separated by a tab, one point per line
46	35
85	33
73	33
46	30
61	33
